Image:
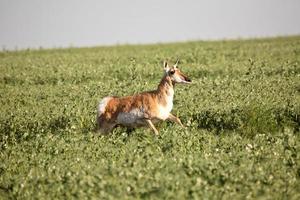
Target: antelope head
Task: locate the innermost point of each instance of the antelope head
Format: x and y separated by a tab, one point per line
175	74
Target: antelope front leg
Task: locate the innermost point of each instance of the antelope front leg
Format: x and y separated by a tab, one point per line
152	126
175	119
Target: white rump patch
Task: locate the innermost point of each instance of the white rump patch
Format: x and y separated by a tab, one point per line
102	105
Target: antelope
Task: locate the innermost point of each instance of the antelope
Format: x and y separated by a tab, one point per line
143	109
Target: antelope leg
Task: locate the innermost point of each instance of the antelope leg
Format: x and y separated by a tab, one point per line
175	119
152	126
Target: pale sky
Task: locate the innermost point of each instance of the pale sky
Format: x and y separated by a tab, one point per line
64	23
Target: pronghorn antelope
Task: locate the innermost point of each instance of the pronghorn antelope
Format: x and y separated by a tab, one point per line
142	109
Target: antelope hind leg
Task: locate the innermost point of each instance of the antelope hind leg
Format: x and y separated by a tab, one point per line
103	126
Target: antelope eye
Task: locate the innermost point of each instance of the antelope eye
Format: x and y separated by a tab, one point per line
172	72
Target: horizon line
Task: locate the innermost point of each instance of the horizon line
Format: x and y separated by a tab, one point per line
120	44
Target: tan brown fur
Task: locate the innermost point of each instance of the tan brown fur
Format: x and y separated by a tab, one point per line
149	102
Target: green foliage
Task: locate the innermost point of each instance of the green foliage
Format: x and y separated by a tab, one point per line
242	116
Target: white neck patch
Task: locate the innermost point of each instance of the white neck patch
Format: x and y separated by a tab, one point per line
164	110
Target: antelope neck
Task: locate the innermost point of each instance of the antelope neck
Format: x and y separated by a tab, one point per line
166	86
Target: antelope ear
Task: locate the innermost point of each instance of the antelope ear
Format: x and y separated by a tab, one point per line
177	61
166	66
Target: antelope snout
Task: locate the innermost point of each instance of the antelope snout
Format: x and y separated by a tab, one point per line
188	80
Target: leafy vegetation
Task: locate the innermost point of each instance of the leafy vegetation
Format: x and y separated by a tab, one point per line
242	116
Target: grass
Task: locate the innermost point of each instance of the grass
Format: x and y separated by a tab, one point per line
242	116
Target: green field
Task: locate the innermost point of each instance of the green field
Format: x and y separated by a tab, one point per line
242	139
